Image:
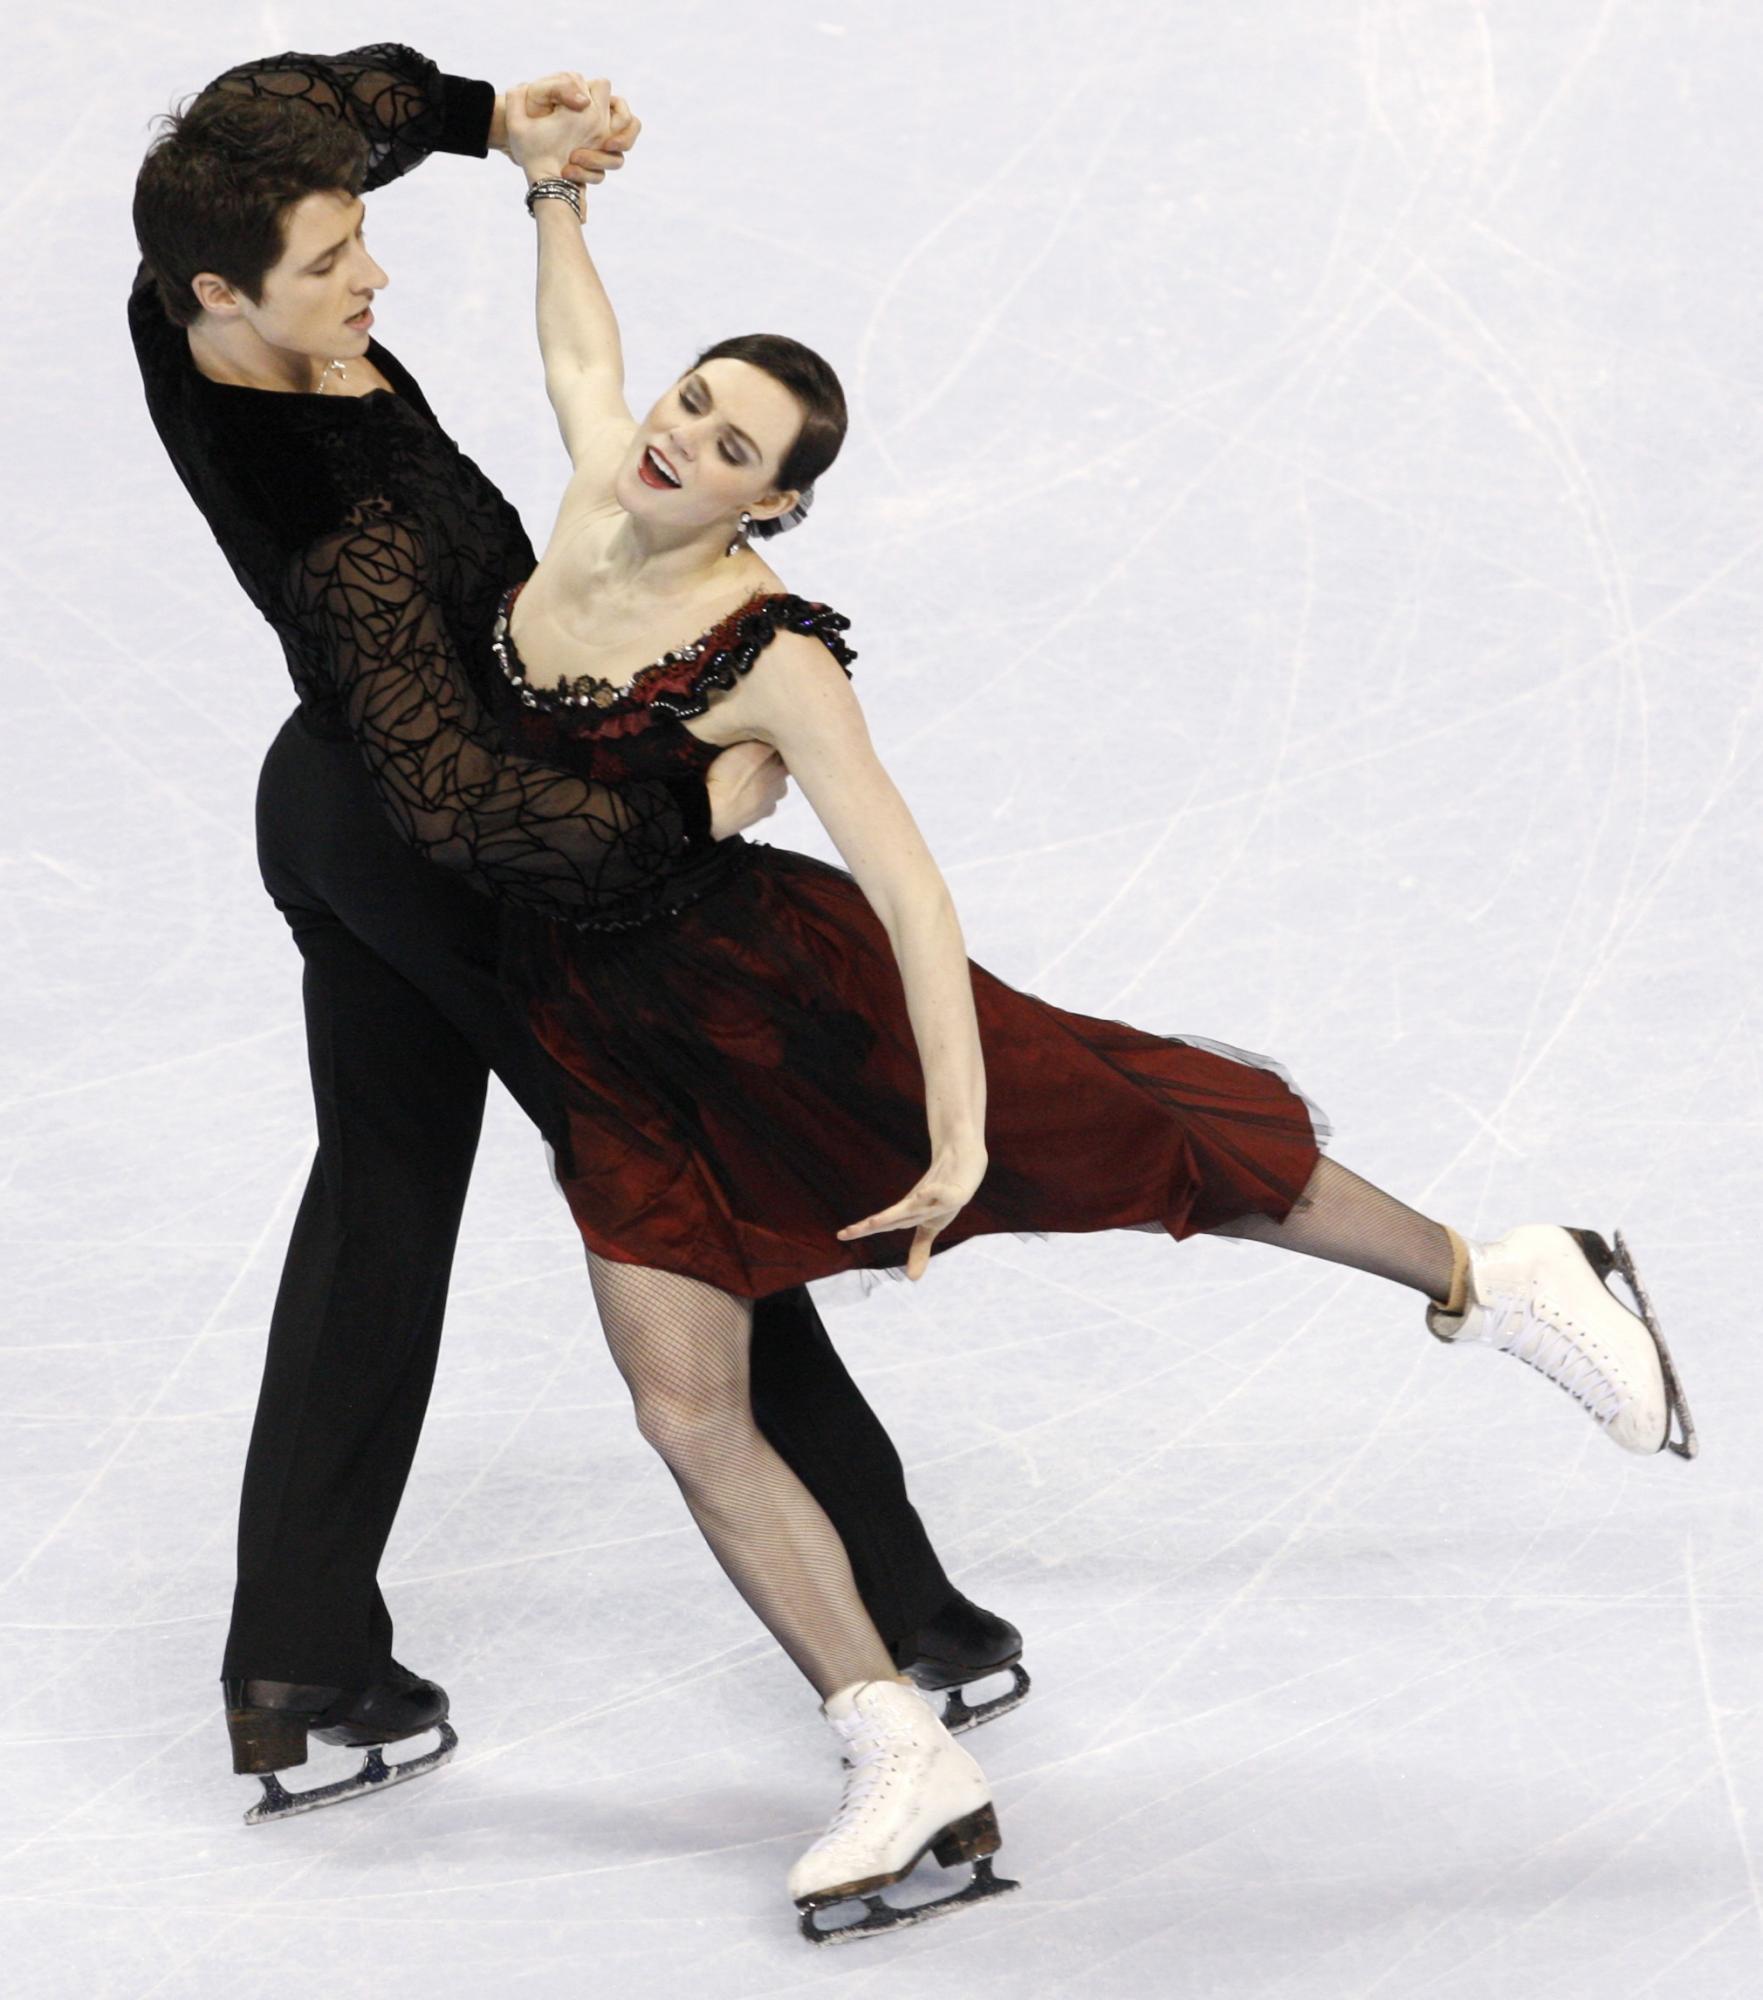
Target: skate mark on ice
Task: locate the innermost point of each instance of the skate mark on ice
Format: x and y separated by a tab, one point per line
273	1223
1175	1438
1742	1909
1692	1602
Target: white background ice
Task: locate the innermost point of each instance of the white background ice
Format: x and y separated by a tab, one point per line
1301	530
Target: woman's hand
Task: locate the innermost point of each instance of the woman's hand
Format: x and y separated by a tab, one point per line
746	784
933	1204
565	127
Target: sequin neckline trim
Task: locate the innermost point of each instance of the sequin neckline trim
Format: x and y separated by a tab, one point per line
589	690
755	622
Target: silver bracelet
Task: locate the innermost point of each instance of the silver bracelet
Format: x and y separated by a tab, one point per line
554	190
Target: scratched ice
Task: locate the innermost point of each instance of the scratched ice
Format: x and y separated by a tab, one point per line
1300	526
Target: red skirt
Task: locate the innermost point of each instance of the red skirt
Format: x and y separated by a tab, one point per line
740	1082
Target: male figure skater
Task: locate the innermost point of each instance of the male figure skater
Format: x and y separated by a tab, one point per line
384	814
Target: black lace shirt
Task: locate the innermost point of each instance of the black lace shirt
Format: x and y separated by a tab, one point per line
377	550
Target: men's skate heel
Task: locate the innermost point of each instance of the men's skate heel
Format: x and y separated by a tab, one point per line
969	1839
264	1741
270	1724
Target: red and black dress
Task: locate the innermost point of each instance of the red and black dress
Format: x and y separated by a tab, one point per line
738	1064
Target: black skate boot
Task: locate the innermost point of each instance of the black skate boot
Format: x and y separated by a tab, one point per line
269	1722
962	1644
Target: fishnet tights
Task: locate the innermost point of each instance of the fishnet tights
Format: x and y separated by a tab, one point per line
682	1346
1348	1221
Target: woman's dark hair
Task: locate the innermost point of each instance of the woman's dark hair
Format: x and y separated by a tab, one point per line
814	385
214	190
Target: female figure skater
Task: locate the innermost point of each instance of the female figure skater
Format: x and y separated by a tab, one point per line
759	1051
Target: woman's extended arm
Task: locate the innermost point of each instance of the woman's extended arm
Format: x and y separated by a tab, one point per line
802	704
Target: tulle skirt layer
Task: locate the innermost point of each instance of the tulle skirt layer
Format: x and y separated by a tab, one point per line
741	1082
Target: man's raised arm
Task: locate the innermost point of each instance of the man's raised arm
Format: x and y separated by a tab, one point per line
399	101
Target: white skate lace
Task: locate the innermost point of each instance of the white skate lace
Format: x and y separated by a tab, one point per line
1554	1352
866	1751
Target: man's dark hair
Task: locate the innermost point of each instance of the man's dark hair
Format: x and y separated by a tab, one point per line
814	385
214	190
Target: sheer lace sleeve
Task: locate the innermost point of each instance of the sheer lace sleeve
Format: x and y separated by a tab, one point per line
400	103
521	830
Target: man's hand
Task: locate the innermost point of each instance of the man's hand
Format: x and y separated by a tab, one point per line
564	126
746	784
566	87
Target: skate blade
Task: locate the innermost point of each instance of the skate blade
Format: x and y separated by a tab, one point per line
884	1916
1684	1444
1604	1259
375	1775
960	1715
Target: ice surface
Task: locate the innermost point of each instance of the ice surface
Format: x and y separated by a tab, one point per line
1301	530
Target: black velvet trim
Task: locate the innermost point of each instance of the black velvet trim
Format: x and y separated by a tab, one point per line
467	107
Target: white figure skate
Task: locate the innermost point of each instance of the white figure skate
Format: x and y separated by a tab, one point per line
1540	1292
910	1789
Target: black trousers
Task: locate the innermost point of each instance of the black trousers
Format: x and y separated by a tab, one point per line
405	1021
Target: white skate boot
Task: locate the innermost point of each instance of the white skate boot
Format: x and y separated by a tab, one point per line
909	1788
1539	1292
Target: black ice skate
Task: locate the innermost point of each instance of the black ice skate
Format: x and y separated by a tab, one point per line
269	1722
961	1645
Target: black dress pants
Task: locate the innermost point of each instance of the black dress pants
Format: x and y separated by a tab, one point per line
405	1021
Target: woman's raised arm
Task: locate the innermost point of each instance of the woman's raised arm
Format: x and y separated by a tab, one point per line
578	331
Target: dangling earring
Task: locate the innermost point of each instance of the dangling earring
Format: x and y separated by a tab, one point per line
741	534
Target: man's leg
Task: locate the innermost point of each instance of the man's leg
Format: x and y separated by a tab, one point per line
357	1322
815	1418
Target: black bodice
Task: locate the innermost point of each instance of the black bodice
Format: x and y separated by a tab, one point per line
635	733
377	550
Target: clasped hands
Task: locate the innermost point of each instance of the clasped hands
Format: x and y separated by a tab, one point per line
565	127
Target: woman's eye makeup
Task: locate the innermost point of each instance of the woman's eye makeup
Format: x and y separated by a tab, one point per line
697	409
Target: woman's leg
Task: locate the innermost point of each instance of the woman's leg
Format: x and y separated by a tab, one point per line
1348	1221
909	1787
682	1346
